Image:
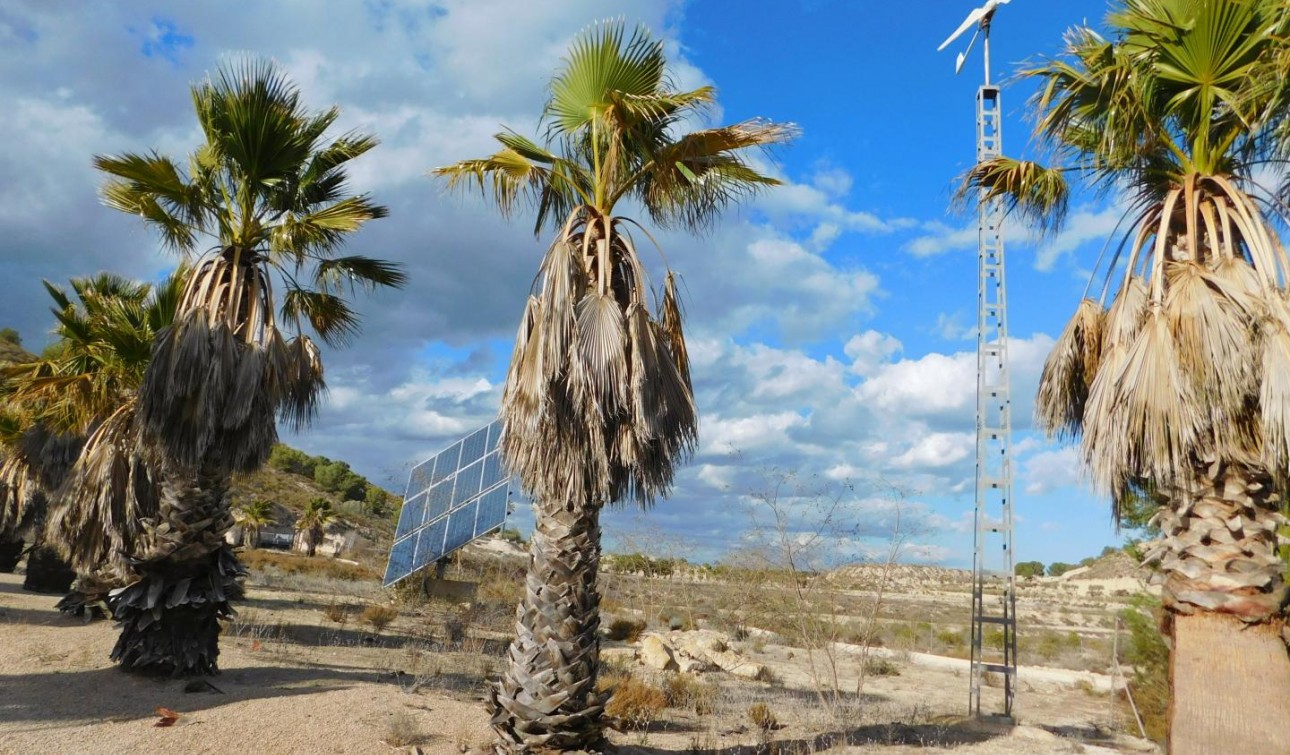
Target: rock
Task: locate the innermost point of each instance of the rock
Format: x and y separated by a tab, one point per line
656	654
694	665
748	670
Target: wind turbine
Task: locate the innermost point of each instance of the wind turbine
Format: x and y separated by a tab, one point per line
980	18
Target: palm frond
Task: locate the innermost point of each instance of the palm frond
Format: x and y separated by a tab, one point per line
1039	195
1069	372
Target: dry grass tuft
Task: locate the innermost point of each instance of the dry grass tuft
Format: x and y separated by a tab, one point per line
687	693
761	716
636	703
625	630
402	730
380	616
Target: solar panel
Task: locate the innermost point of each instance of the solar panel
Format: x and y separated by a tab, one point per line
453	497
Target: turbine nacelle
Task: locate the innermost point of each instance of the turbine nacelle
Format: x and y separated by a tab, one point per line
980	18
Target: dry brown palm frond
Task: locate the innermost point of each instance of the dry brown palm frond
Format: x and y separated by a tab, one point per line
1142	419
596	406
599	373
20	493
97	515
674	331
1069	372
304	383
1213	330
564	285
1274	391
1125	316
219	373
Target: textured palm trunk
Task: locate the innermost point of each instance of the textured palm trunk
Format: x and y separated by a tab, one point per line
1224	594
187	574
547	698
47	572
10	554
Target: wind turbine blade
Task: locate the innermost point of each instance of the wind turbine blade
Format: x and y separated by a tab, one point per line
973	18
958	66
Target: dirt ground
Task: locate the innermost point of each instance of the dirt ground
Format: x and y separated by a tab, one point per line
294	681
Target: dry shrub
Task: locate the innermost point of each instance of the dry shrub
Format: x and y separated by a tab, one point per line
764	674
686	692
636	703
499	586
877	666
290	563
402	731
761	716
380	616
625	630
337	612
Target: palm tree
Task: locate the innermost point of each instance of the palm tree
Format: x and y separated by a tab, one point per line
269	194
1182	385
597	402
251	518
313	523
53	402
86	386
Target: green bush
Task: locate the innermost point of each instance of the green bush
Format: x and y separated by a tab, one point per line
1028	569
1147	653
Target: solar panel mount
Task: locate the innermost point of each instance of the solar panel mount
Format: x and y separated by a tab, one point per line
452	498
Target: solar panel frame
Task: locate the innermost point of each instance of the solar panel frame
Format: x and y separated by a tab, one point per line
452	498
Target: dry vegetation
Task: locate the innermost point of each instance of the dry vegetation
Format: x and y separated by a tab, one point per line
433	655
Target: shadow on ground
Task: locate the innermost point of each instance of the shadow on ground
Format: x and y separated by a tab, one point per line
108	694
928	735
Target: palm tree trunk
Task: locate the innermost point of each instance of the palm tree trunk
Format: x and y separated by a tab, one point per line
547	698
10	554
187	574
1224	591
47	572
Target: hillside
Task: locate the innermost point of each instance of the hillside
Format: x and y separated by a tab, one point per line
291	492
11	351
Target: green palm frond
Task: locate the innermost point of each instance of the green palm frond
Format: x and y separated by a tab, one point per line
1038	194
329	315
604	62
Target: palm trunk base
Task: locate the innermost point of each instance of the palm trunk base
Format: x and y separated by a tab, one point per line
1244	706
89	599
547	700
47	572
10	555
170	618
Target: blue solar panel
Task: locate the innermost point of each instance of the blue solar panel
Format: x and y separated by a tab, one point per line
452	498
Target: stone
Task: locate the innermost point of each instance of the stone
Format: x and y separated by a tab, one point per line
656	654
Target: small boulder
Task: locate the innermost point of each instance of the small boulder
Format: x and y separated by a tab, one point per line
656	654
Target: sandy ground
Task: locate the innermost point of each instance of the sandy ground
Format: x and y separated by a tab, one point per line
60	694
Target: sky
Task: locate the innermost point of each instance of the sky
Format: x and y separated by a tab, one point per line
830	320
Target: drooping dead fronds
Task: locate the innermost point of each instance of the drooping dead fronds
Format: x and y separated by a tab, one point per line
597	403
1142	419
97	515
1212	325
1069	372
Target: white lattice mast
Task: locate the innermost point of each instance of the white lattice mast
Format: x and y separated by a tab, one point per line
994	623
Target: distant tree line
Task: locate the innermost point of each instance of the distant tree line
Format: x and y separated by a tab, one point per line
332	476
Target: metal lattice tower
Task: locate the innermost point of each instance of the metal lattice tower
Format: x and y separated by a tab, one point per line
994	614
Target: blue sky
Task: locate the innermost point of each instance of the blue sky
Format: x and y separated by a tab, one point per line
831	319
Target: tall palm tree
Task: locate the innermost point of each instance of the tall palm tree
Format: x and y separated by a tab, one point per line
252	518
313	522
597	402
1182	384
267	192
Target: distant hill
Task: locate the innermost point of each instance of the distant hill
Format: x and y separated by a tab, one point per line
374	517
11	350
